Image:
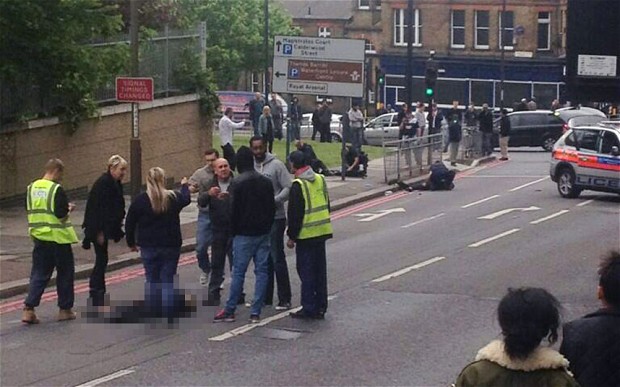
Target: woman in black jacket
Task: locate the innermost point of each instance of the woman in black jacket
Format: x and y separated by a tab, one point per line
103	220
155	215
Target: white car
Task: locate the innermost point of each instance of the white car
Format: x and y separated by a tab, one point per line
335	127
385	128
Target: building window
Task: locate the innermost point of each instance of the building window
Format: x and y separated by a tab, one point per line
366	4
324	32
506	30
544	31
458	29
400	27
481	38
370	48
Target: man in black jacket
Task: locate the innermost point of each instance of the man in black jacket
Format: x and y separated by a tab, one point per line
592	343
253	212
103	220
504	135
217	199
485	121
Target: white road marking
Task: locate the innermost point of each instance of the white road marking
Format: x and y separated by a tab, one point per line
502	176
107	378
528	184
549	217
380	214
507	211
480	201
248	327
408	269
585	203
423	220
491	239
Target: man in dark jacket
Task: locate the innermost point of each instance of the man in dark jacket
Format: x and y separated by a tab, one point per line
592	343
504	134
486	127
316	125
325	119
295	116
103	220
312	159
454	131
217	199
309	228
253	212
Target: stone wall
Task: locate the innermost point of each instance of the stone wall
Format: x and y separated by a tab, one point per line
173	136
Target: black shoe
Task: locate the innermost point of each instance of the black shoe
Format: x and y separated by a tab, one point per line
254	319
283	305
241	300
211	302
303	315
453	164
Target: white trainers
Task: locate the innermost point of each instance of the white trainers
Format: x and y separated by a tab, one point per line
204	279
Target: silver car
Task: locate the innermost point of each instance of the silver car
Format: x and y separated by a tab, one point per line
587	157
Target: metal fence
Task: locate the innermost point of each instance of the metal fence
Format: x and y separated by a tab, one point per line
407	158
471	144
162	57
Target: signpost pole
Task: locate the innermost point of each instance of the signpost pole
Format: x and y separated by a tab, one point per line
135	148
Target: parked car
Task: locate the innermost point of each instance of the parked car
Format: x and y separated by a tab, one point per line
540	127
587	157
335	127
385	128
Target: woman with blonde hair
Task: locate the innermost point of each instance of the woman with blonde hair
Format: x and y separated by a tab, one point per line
103	220
154	214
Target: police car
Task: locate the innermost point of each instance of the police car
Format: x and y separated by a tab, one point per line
587	157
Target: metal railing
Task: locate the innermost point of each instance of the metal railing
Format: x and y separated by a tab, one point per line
411	157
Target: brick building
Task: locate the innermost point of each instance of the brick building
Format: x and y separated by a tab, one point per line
465	35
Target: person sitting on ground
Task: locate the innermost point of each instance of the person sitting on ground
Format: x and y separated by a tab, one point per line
311	158
356	161
526	317
440	179
592	343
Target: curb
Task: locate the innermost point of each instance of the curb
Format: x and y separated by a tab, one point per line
14	288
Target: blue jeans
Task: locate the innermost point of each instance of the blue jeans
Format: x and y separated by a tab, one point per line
244	248
204	238
160	268
45	257
294	130
312	270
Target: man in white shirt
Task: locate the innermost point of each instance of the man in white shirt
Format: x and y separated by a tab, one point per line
227	127
356	121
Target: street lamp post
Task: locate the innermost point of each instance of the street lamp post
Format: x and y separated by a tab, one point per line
408	70
502	43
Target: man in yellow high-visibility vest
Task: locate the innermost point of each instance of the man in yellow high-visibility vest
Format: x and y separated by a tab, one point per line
309	227
52	233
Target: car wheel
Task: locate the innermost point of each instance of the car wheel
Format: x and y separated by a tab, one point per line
548	143
566	184
336	138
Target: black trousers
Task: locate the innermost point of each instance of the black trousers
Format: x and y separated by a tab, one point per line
229	154
312	270
324	131
278	267
220	248
45	257
97	276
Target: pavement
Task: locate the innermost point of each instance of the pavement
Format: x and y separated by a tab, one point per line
16	246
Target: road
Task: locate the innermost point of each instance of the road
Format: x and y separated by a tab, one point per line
414	292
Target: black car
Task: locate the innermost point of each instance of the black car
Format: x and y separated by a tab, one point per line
538	127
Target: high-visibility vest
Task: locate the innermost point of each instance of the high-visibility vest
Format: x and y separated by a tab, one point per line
316	221
42	223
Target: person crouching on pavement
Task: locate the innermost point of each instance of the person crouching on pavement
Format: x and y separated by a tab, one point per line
309	226
154	214
52	234
217	199
440	179
357	162
526	317
312	159
103	220
252	215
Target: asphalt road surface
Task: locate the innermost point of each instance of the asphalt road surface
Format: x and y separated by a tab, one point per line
414	278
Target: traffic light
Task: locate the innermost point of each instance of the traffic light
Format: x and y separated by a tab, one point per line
380	76
430	77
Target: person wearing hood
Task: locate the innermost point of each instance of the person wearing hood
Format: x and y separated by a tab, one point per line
526	317
267	165
309	227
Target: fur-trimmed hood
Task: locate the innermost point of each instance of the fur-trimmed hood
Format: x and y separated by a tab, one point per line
541	358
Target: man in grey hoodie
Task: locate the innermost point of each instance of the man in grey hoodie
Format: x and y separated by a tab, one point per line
272	168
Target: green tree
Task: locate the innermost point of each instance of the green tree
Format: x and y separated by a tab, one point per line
43	48
235	31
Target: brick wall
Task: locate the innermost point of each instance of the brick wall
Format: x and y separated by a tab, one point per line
173	134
